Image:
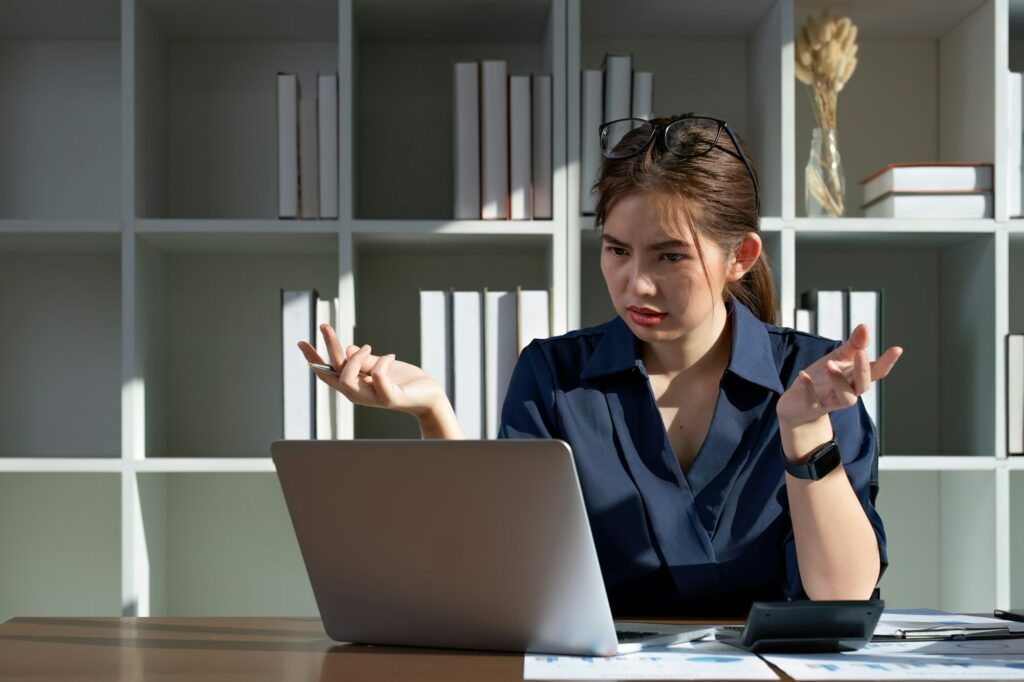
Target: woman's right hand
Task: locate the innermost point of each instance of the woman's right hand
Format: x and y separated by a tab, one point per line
376	381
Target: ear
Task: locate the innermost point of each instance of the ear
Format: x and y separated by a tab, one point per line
746	255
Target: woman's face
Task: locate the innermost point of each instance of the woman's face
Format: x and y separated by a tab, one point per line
651	266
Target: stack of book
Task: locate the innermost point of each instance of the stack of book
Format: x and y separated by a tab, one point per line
612	92
469	343
834	314
929	190
307	148
502	135
1015	394
310	405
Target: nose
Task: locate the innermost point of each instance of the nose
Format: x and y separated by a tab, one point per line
641	283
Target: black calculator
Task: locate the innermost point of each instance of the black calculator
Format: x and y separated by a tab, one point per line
806	626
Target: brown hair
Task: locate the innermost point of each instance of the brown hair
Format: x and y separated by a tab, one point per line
717	198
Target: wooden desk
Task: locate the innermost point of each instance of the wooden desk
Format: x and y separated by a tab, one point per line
250	649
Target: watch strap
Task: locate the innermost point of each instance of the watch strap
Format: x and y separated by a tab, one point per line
818	465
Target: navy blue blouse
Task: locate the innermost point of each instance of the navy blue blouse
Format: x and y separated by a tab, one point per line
720	537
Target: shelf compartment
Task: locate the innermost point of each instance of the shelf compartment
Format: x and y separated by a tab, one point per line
206	100
387	308
930	66
940	528
940	397
60	109
596	305
404	92
60	350
208	336
61	535
693	49
220	544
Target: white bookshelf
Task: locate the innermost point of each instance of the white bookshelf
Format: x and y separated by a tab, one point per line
137	210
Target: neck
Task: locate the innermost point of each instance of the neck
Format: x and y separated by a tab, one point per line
704	350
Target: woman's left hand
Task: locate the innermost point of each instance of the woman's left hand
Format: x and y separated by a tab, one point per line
835	381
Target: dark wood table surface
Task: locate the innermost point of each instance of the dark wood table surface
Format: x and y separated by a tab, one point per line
224	649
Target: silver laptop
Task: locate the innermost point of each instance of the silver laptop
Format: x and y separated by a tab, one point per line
477	544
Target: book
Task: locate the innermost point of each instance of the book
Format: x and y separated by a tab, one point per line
326	396
804	321
829	307
519	148
533	317
930	205
591	111
327	147
618	93
287	145
1014	158
467	361
298	323
643	95
494	140
1015	394
309	162
467	141
435	336
941	177
499	354
542	148
865	307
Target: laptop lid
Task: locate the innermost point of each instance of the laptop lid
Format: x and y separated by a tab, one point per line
480	544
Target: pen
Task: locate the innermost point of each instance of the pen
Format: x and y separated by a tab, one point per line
1009	615
327	369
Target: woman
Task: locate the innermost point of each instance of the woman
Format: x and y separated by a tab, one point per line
698	427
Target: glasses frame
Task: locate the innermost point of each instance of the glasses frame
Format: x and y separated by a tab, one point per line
665	129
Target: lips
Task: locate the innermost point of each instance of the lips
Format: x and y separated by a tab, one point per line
646	311
645	317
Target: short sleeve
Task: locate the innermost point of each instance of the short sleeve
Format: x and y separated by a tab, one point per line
529	402
858	446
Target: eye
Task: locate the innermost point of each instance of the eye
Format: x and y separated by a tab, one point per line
674	257
616	250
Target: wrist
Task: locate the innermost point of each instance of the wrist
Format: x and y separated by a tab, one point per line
800	439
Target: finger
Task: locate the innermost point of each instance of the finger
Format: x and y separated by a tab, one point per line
368	362
809	390
858	341
333	347
861	374
381	381
880	368
310	353
349	375
843	394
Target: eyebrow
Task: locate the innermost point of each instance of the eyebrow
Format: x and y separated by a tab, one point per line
670	244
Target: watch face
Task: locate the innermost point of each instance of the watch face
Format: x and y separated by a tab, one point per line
822	461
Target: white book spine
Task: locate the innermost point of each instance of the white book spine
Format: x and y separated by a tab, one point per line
804	321
327	123
831	314
618	96
309	162
590	143
435	335
865	308
533	317
467	141
287	145
520	147
1015	394
542	149
325	395
467	361
494	140
499	353
643	94
1014	159
924	178
298	319
965	206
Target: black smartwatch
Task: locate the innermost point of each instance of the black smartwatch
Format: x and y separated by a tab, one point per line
816	467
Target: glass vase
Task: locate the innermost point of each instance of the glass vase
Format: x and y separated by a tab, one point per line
824	184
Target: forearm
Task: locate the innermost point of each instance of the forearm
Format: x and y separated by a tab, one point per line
440	423
835	545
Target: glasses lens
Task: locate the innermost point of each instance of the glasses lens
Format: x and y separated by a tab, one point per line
624	138
692	136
